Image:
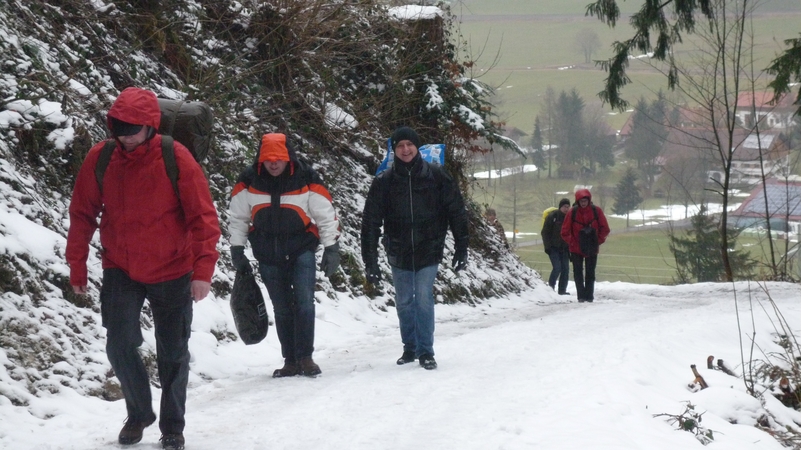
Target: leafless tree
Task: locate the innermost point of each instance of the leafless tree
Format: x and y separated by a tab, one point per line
587	43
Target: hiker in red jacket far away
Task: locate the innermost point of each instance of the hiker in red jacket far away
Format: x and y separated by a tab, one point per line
585	228
156	246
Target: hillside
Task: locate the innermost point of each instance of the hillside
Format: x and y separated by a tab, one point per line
522	47
336	77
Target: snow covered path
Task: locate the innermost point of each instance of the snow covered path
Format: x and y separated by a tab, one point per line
528	372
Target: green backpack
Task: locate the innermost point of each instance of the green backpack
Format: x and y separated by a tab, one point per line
190	123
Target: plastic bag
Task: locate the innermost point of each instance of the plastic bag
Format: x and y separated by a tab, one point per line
248	308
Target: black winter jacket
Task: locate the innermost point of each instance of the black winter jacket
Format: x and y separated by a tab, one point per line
415	203
552	232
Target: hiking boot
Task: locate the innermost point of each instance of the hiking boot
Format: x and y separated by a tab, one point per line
406	357
428	363
290	369
172	441
131	432
309	368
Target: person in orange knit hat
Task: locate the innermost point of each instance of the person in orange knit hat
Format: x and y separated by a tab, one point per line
281	206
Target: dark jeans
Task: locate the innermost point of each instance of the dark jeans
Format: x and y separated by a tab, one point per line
121	301
560	260
585	286
291	289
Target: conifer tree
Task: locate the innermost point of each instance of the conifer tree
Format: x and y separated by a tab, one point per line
627	196
697	256
538	156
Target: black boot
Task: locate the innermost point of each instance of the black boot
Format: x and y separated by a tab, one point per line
406	357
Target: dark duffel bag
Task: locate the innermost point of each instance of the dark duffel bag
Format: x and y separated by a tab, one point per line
248	308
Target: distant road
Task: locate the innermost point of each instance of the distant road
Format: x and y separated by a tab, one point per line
578	17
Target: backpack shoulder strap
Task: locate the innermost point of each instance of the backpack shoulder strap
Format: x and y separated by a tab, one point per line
103	160
594	211
168	153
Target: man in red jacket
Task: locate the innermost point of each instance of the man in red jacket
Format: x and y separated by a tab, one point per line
584	246
155	245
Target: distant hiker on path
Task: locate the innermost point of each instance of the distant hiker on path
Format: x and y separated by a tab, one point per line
492	219
155	245
556	247
585	229
281	206
416	202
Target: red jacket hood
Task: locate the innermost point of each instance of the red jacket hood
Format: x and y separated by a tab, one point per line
583	193
136	106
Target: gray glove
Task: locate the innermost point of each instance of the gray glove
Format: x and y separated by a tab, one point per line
330	260
241	263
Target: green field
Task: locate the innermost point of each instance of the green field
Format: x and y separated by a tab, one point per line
630	254
520	46
634	257
641	257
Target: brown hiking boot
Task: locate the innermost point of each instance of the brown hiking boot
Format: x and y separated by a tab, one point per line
309	368
131	433
290	369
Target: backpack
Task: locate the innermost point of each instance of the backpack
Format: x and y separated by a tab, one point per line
248	309
545	213
433	153
190	123
588	236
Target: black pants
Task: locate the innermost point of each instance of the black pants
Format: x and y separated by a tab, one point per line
121	301
585	285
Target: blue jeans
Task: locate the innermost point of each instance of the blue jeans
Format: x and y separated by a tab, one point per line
291	289
414	300
560	260
121	301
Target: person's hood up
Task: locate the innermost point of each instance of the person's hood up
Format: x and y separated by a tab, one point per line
136	106
583	193
275	147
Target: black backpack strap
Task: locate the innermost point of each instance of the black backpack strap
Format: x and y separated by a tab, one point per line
103	160
594	211
168	153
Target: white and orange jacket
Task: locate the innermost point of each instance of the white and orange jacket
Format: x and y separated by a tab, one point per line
281	216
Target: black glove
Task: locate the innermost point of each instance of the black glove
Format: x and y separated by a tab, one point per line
459	260
330	260
241	263
373	273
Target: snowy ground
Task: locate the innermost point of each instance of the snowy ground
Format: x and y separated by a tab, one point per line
538	371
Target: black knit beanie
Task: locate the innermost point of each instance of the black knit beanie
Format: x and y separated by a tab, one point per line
405	134
564	201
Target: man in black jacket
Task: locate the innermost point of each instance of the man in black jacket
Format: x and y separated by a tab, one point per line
415	202
556	247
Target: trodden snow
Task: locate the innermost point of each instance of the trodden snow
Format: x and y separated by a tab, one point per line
535	371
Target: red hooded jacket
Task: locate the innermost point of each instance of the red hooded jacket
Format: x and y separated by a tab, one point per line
145	229
584	216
